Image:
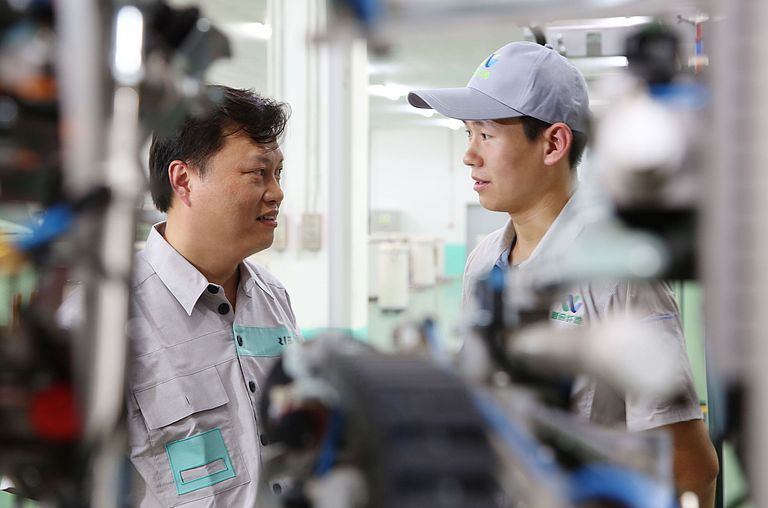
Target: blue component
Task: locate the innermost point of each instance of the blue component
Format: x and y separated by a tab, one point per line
199	461
622	485
367	11
257	341
688	95
330	444
55	221
525	449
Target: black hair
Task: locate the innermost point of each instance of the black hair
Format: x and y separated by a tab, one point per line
199	137
533	127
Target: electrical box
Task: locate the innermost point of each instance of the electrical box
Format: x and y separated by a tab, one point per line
594	44
280	241
311	231
385	221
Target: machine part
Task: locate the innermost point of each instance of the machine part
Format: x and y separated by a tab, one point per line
653	54
407	427
655	191
180	46
414	432
61	394
506	305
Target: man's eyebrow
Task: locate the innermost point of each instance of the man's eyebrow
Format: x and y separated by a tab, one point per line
263	159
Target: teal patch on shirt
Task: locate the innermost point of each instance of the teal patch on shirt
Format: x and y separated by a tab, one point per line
255	341
199	461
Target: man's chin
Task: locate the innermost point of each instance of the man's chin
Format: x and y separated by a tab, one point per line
260	246
492	206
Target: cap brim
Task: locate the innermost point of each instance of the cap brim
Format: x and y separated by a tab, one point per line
462	103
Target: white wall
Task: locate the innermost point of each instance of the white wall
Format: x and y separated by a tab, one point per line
322	148
418	170
294	266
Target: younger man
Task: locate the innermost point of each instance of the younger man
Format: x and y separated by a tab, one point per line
526	111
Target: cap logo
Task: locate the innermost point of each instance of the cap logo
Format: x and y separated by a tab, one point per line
491	60
484	70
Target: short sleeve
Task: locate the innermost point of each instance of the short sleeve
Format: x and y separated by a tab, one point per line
654	302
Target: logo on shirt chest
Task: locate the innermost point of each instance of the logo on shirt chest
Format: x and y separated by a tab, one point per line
262	341
285	340
569	310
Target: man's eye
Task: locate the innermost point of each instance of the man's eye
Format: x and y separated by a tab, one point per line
484	136
279	173
469	134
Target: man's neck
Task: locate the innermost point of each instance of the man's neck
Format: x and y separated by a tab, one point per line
533	223
207	260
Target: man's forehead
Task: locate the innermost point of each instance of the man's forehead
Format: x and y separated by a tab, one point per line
263	152
477	123
492	123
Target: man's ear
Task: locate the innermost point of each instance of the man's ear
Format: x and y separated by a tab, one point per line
180	177
558	138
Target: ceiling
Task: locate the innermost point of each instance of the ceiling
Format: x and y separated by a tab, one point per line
441	54
446	58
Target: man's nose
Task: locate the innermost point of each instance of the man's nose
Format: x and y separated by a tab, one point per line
274	192
471	158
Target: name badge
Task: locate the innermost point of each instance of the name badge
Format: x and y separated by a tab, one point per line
258	341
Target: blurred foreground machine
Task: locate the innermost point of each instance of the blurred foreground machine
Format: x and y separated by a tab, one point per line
81	86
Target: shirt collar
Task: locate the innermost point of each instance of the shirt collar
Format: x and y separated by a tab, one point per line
562	232
181	278
249	278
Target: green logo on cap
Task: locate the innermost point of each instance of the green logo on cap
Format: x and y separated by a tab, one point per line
483	71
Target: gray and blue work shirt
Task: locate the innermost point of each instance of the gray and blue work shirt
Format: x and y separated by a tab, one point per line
590	302
197	372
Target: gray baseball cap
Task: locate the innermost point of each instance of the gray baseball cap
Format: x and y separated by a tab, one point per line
519	79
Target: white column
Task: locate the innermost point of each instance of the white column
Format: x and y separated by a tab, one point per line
326	154
348	184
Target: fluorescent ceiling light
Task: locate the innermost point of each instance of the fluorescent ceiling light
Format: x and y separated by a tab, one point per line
391	91
599	64
585	24
247	30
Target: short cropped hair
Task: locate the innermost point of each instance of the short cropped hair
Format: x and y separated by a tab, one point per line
199	137
533	127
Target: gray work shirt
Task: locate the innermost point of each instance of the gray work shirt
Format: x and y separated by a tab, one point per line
589	302
196	376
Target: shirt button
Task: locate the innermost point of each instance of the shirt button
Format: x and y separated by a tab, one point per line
264	440
239	341
276	488
213	289
223	308
252	386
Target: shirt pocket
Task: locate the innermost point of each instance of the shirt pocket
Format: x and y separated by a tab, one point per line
192	450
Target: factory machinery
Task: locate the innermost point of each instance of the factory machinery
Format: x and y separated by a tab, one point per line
349	426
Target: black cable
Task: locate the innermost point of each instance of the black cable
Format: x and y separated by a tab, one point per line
538	34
